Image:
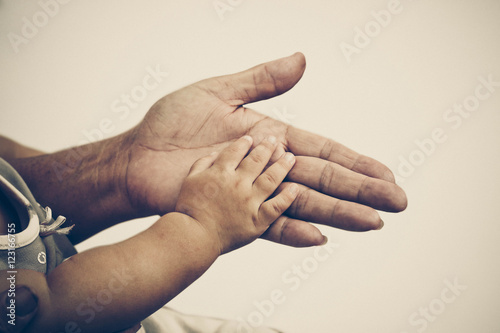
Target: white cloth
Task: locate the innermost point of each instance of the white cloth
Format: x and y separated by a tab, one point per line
167	320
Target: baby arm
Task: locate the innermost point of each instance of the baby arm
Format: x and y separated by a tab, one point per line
224	204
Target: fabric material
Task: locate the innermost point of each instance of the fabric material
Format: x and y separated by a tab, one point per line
41	254
167	320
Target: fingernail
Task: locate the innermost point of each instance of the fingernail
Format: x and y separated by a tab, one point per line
389	176
293	188
325	240
271	139
381	225
248	138
26	301
290	158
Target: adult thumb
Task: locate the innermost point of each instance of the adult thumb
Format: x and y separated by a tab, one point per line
258	83
19	306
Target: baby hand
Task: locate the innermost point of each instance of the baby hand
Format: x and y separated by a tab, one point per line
229	194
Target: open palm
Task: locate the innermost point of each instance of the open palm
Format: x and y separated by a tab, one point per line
339	187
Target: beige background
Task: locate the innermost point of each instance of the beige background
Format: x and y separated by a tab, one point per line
394	91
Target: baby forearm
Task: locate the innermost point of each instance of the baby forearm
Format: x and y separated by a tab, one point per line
112	287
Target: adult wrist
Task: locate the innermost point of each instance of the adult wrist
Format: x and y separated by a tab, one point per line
84	184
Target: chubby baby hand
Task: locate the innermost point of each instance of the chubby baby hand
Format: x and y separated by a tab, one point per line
229	195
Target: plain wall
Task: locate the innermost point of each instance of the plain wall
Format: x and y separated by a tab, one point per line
381	96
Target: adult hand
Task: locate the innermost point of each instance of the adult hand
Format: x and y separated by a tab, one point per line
338	187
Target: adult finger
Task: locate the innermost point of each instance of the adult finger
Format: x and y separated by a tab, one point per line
288	231
304	143
316	207
337	181
258	83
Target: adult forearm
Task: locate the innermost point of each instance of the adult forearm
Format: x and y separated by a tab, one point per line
9	149
84	183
